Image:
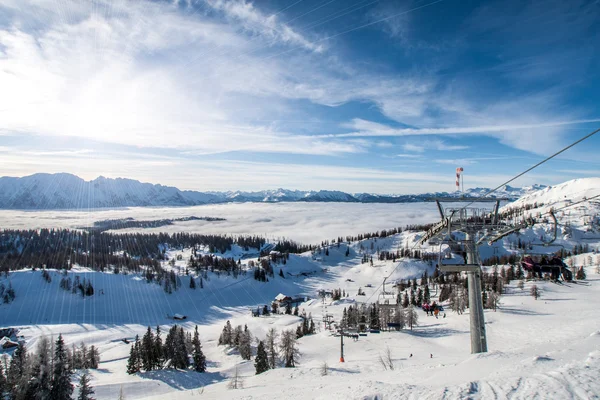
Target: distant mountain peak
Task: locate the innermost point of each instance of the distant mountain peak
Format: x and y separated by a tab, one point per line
66	191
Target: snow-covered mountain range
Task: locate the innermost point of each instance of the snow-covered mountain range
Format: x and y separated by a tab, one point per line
67	191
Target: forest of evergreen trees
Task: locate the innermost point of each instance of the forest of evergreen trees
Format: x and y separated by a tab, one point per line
47	372
62	248
180	350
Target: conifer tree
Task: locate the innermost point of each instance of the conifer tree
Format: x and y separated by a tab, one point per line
133	363
180	357
237	333
265	310
148	361
580	275
15	376
288	308
271	347
245	345
2	382
85	390
40	382
261	361
296	311
405	301
411	317
226	336
426	295
198	356
93	357
62	388
159	357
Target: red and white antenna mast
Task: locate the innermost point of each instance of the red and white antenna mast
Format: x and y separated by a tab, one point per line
459	172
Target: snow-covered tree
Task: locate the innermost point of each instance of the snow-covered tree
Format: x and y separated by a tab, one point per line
40	382
159	357
197	354
3	385
411	317
148	361
85	390
288	348
245	344
261	361
535	292
134	362
16	377
271	347
226	335
62	388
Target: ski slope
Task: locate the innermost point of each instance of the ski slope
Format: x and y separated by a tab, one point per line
546	348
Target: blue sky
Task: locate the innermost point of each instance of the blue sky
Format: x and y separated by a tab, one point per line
357	95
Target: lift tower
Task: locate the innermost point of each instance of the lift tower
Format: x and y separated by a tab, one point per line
477	224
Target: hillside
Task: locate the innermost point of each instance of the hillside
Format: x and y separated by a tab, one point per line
538	348
66	191
545	348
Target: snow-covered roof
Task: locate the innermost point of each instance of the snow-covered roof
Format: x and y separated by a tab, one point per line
5	343
281	296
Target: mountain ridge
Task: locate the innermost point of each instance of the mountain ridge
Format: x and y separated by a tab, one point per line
45	191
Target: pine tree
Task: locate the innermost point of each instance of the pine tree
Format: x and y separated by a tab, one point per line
580	275
271	344
93	357
62	388
226	336
198	356
148	350
426	295
411	316
2	382
85	390
40	382
180	359
296	311
159	357
311	326
265	310
245	345
288	308
133	363
15	376
237	334
405	301
261	362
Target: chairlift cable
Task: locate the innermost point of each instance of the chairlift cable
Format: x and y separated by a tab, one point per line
538	164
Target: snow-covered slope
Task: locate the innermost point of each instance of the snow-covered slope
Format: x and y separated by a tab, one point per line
561	195
66	191
546	348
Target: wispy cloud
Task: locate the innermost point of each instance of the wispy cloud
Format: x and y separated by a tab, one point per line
269	26
432	145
